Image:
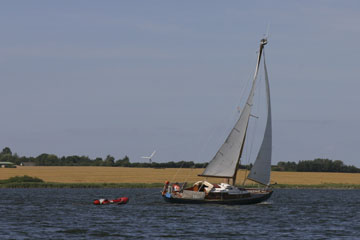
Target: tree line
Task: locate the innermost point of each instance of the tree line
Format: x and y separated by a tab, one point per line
52	160
316	165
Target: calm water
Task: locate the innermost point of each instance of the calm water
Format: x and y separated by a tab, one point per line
69	214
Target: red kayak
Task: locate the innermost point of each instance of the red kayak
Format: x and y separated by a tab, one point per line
103	201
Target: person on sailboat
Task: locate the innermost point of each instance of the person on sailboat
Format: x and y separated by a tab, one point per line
165	187
176	188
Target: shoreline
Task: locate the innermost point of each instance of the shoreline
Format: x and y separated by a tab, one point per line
333	186
121	177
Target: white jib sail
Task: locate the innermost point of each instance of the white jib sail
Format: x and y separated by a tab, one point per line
224	163
260	172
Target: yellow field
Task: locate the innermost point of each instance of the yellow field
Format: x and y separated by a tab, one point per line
150	175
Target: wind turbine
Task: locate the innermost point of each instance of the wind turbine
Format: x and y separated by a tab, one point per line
149	157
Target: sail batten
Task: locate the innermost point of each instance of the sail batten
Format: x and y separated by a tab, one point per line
225	162
260	172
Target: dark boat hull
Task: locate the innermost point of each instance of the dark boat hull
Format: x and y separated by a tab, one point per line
252	199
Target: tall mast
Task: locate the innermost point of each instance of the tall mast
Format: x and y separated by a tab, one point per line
249	101
225	162
260	171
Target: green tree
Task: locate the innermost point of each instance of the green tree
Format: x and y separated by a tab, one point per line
109	161
125	162
6	150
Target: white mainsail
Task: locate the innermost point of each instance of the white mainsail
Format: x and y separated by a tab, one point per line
260	172
225	162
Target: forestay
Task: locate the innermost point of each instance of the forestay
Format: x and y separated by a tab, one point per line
260	172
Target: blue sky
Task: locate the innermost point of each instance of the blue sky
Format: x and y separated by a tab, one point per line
127	77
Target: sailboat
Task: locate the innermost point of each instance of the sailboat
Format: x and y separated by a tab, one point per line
225	163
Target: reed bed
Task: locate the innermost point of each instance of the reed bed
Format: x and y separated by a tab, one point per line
151	175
